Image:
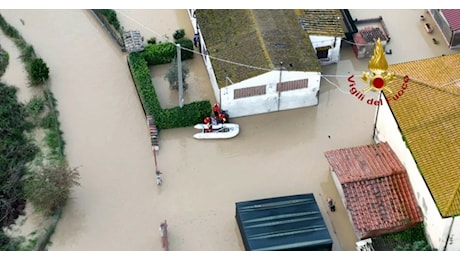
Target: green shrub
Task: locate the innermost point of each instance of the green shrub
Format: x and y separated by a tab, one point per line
16	150
152	41
27	53
179	34
4	61
160	53
53	139
34	109
38	71
7	243
186	48
111	16
48	121
415	246
142	79
9	30
49	188
35	106
188	115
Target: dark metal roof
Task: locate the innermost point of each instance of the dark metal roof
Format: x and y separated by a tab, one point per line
283	223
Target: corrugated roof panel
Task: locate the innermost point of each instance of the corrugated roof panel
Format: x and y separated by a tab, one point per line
283	223
452	17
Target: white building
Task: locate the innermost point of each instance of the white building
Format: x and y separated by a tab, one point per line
260	61
265	93
421	122
326	30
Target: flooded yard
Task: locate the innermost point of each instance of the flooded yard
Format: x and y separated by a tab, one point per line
119	206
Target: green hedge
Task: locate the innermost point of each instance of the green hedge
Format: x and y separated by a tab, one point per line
188	115
163	53
160	53
4	61
186	45
111	17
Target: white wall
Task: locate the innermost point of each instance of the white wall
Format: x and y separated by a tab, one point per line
272	100
206	59
453	244
436	227
334	52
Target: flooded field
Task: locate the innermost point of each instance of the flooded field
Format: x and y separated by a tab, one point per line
119	207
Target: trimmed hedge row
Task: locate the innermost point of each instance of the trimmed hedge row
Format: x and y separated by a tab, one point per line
111	17
156	54
141	76
162	53
188	115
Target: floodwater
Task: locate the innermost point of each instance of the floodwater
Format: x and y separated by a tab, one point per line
119	206
161	24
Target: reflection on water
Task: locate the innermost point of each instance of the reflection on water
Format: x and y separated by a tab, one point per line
199	87
119	206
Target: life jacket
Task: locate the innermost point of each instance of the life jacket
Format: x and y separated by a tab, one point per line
222	117
216	108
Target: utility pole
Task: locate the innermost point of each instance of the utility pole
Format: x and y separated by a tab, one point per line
179	77
281	69
279	89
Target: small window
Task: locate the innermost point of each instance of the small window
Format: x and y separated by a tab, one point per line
323	52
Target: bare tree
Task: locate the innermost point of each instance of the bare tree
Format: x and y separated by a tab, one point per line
49	188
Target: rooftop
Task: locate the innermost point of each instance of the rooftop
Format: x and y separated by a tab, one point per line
323	22
428	115
258	38
452	17
376	188
283	223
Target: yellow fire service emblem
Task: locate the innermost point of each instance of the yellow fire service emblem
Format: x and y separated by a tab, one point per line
380	77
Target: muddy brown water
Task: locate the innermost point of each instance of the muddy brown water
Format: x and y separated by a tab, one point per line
119	206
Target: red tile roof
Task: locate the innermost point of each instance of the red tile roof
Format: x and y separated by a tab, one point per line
376	189
452	17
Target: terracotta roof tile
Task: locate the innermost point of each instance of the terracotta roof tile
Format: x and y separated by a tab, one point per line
377	191
428	114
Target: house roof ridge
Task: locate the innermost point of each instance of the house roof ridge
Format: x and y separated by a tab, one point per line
450	90
455	196
427	116
261	39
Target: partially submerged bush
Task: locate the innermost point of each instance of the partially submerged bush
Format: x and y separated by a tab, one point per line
38	71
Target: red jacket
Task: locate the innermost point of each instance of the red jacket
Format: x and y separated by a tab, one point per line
216	108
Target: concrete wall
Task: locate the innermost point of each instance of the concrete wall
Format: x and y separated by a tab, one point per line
323	41
436	227
206	59
453	243
272	100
